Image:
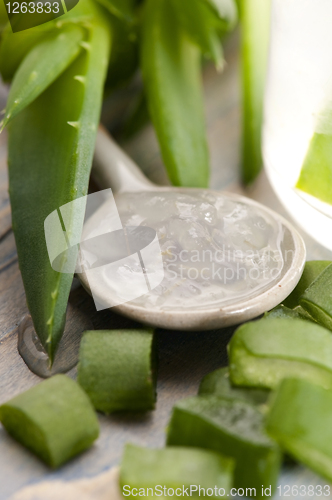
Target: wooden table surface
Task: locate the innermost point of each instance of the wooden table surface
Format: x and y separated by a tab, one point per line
184	357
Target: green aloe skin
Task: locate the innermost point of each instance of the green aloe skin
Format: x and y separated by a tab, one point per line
117	369
58	72
317	298
300	420
261	353
312	269
175	467
54	419
255	34
234	428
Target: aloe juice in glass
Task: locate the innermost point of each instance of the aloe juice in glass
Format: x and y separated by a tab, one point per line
297	132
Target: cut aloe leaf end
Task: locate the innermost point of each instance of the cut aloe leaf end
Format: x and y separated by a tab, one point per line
55	420
317	298
218	383
262	353
117	369
175	467
312	269
300	420
233	428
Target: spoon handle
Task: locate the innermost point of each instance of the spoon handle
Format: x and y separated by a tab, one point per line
113	168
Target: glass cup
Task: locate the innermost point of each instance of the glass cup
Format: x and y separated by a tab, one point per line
297	131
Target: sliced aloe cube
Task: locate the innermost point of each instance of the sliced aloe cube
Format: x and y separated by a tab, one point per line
234	428
262	353
300	420
182	469
54	419
282	311
117	369
317	298
219	384
312	269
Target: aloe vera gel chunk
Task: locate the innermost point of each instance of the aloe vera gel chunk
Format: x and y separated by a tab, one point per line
312	269
219	384
231	427
300	420
117	369
317	298
262	353
175	467
54	419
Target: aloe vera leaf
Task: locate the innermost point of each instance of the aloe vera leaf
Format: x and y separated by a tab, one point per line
300	420
43	64
255	28
219	384
231	427
51	145
201	22
3	16
312	269
316	173
117	369
54	419
262	353
317	298
15	46
172	78
227	11
175	467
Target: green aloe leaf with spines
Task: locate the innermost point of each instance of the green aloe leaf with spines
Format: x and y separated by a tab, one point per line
57	134
172	78
41	67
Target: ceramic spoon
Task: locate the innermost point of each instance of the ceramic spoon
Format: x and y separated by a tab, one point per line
114	169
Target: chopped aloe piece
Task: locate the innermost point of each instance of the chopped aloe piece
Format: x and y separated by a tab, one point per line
262	353
219	384
317	298
117	369
54	419
282	311
175	467
312	269
234	428
300	420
